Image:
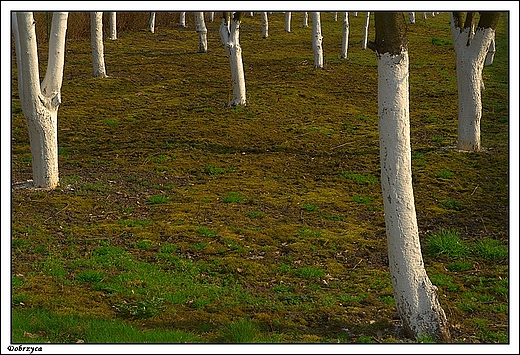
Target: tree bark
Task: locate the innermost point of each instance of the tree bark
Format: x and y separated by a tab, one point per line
317	40
202	31
471	43
344	43
265	25
112	25
415	296
230	34
40	102
96	44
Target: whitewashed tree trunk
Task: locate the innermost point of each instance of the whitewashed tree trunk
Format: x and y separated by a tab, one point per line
40	103
365	32
424	15
251	14
335	16
317	40
230	34
112	23
151	22
490	54
344	43
305	19
471	48
416	298
212	16
265	25
182	19
96	44
412	17
202	31
287	22
355	14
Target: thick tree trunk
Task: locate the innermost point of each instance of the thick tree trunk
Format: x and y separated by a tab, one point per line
96	44
151	22
471	48
202	31
40	102
265	25
365	32
112	26
230	34
317	40
305	19
415	296
287	22
344	43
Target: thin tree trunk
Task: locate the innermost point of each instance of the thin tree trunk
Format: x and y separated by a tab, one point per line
317	40
365	32
202	31
490	54
287	22
265	25
212	16
40	103
230	34
182	19
344	43
96	44
415	296
151	22
112	26
412	17
305	19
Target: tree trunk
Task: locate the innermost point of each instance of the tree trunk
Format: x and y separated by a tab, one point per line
490	56
230	34
471	48
415	296
202	31
212	16
365	32
151	22
265	25
112	25
40	102
412	17
182	19
96	44
287	22
305	19
317	40
344	43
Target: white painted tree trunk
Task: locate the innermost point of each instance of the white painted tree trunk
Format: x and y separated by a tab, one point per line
182	19
96	44
230	34
490	54
265	25
424	15
151	22
344	43
202	31
355	14
317	40
365	32
471	49
305	19
412	17
335	16
287	22
415	296
212	16
40	103
112	23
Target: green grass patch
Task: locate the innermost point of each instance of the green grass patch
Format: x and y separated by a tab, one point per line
447	242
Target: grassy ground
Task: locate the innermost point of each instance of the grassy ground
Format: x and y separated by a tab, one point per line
179	219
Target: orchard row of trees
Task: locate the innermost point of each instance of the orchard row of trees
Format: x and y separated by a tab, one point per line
415	296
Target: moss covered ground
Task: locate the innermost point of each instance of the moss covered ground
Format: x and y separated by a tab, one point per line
179	219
